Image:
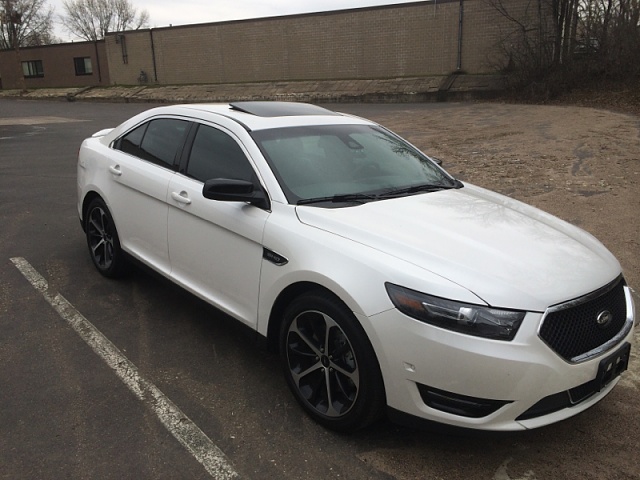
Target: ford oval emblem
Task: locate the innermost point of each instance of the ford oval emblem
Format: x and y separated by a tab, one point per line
604	318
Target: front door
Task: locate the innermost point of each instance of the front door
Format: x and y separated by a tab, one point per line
216	247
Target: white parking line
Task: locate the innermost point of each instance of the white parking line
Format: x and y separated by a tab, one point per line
178	424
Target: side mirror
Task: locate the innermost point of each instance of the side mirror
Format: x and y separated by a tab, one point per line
230	190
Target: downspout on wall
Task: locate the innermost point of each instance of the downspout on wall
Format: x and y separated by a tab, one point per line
460	24
153	57
95	45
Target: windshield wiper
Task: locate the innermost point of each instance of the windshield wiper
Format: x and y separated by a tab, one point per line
425	187
343	198
368	197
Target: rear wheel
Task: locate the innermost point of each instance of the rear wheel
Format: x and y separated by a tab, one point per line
329	363
103	240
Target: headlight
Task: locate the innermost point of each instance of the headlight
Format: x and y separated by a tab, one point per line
460	317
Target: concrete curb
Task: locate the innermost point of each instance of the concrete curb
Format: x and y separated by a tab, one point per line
397	90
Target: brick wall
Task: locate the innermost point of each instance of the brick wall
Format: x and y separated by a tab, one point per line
408	40
58	65
415	39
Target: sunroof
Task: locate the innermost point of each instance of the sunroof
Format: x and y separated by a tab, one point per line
280	109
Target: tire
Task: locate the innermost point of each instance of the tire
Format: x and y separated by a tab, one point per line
329	363
103	240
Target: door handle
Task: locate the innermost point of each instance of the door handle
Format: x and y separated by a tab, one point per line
182	197
115	170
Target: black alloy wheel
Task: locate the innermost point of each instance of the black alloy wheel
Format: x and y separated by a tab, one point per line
329	363
103	241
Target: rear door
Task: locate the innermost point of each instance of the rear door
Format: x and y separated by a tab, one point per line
140	167
216	247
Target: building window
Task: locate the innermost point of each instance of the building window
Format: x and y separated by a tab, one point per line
32	69
83	65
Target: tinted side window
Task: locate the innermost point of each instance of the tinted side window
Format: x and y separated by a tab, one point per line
216	155
157	141
130	143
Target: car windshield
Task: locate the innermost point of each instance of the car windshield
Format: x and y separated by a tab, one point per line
346	164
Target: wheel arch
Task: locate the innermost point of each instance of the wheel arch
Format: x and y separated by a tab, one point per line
283	300
86	201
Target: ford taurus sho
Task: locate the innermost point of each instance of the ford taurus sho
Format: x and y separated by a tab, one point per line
386	285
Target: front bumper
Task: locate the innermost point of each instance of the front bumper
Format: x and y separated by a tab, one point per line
516	385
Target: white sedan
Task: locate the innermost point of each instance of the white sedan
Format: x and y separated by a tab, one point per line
385	284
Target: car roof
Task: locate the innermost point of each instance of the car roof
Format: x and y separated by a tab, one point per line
250	116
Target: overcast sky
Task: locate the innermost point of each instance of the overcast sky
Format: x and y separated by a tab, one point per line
162	13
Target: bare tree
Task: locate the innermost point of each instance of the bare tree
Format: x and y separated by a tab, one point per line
92	19
569	42
527	40
610	34
25	23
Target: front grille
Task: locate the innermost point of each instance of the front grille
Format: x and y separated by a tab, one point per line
571	329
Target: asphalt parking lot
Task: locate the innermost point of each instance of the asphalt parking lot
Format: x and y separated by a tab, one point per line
66	413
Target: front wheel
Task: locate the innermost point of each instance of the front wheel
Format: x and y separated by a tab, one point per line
103	241
329	364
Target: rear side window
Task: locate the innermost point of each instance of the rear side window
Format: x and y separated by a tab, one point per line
217	155
130	143
157	141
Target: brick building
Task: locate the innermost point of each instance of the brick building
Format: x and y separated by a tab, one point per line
77	64
419	39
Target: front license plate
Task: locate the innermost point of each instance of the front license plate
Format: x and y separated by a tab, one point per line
612	366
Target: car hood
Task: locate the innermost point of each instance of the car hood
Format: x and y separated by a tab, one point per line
507	253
